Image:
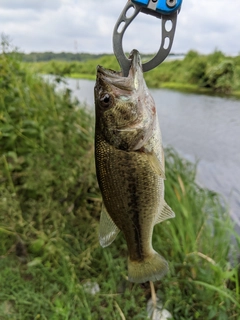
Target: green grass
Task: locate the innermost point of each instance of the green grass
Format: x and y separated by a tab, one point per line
50	205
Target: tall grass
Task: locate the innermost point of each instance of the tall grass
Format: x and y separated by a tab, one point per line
50	257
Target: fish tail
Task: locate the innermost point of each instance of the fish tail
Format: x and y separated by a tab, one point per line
150	269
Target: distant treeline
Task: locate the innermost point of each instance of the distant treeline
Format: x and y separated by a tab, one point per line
66	56
62	56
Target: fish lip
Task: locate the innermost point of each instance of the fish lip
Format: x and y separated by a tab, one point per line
107	72
136	64
117	79
113	78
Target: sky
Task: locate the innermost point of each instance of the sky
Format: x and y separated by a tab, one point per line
87	26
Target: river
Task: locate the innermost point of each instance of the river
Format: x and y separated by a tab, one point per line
201	128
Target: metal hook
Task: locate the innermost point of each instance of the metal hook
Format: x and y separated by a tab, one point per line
121	26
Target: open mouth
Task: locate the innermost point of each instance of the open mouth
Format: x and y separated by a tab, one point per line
116	78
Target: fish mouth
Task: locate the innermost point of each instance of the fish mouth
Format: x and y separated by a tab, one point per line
135	71
108	72
116	78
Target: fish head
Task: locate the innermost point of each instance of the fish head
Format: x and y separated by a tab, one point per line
125	110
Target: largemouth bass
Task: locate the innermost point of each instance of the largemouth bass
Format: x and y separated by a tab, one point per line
130	168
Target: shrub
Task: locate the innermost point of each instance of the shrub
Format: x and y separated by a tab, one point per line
220	77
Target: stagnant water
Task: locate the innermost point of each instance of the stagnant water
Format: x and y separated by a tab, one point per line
199	127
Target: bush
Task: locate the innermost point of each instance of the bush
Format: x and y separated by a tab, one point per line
220	77
197	73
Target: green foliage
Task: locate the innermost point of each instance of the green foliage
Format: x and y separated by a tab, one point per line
196	239
50	205
220	77
197	69
61	56
213	73
67	68
216	57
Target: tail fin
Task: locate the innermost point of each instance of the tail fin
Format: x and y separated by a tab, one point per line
150	269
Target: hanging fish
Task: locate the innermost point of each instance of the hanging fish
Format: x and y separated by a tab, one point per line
130	168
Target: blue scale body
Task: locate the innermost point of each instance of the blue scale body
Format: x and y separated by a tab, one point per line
161	6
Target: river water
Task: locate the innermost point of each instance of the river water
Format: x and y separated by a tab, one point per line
200	127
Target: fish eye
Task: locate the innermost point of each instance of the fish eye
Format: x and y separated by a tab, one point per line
106	100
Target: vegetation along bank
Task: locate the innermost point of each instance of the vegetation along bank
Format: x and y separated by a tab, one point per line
49	216
214	73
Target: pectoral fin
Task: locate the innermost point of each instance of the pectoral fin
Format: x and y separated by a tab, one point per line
108	229
164	213
156	165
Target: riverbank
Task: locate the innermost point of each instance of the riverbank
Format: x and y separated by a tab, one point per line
188	88
50	206
209	74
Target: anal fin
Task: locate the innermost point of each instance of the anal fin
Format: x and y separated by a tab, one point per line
107	229
164	213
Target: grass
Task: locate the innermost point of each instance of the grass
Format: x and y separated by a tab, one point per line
50	205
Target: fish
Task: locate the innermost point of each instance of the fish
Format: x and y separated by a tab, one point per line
130	168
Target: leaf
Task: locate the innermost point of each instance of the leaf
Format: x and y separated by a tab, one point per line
34	262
